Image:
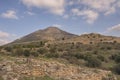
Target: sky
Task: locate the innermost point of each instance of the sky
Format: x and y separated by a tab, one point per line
21	17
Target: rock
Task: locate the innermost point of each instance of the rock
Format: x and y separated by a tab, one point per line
17	68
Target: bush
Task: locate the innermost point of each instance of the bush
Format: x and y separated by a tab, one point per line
8	49
109	77
79	56
93	62
117	59
18	52
52	55
116	69
26	53
42	50
34	54
102	58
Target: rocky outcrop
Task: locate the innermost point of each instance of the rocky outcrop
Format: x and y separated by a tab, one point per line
16	68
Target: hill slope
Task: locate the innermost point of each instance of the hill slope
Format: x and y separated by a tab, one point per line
94	38
50	33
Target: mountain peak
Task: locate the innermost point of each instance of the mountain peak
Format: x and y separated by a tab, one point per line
51	33
52	30
52	27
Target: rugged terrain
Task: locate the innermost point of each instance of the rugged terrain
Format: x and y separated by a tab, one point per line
54	54
48	34
12	68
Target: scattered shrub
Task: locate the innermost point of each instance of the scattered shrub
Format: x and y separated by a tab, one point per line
34	54
102	58
26	53
42	50
116	69
52	55
8	49
93	62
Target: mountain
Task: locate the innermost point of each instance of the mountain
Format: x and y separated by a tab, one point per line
55	34
50	34
61	55
95	38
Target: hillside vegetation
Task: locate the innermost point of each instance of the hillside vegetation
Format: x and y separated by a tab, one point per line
89	51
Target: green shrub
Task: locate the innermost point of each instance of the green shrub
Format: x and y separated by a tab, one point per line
116	69
18	52
52	55
93	62
1	78
26	53
109	77
79	56
8	49
35	54
42	50
117	58
102	58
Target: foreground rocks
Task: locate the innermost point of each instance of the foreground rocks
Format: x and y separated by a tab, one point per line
17	68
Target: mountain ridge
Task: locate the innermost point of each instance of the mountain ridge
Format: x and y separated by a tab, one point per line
50	33
54	34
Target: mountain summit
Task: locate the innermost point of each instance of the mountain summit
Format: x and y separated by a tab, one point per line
50	33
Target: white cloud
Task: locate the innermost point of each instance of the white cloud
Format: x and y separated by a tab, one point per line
99	5
89	15
71	2
66	16
118	3
2	42
6	37
113	29
53	6
110	11
10	14
30	13
4	34
57	25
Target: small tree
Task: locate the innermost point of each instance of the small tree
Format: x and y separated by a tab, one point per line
116	69
9	49
117	59
18	52
42	50
26	53
93	62
35	54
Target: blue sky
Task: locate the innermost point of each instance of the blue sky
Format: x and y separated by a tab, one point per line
21	17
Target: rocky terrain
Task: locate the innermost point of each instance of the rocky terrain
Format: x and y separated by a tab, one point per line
12	68
54	34
54	54
49	34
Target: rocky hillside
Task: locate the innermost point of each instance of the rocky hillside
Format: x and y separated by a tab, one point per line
94	38
12	68
54	34
49	34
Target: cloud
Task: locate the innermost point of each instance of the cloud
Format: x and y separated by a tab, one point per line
53	6
10	14
2	42
6	37
91	9
30	13
89	15
115	28
4	34
57	25
99	5
66	16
